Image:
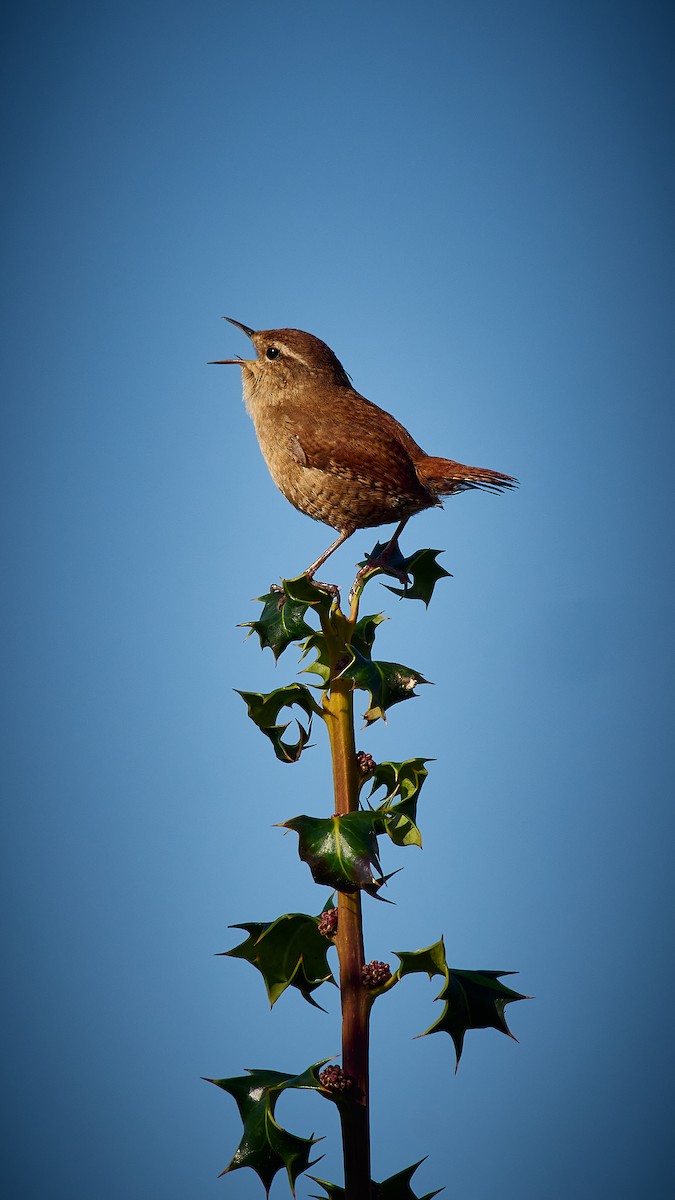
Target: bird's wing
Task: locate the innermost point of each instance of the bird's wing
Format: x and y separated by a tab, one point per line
373	449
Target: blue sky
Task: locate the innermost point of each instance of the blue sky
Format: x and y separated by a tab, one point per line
472	204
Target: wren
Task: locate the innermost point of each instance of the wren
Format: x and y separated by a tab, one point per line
333	454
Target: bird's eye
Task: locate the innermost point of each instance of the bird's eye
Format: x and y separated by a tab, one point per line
273	352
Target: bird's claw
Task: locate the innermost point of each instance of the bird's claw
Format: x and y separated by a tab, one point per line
331	588
388	560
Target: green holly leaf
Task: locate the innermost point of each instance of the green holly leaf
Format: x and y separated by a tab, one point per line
332	1190
388	683
396	1187
321	664
362	640
282	621
265	1147
426	573
473	1000
429	961
288	952
308	1080
403	783
365	629
305	591
394	563
264	711
341	852
421	564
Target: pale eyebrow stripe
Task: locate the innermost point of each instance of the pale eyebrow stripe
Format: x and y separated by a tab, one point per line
292	354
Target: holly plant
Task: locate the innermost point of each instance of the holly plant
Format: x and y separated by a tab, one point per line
341	849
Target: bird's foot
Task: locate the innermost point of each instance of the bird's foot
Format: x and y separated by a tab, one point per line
387	559
331	588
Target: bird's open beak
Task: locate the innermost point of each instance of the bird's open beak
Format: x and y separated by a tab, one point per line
244	328
233	362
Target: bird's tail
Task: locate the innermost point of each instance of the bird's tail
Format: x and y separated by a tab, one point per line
444	477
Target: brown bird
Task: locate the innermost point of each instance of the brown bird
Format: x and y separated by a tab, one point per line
335	455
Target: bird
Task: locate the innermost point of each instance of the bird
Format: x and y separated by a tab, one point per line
332	453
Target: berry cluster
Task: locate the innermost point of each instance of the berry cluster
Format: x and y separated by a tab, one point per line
375	973
366	762
334	1079
328	922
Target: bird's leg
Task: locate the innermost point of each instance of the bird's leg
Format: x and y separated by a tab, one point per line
331	588
327	553
326	587
386	560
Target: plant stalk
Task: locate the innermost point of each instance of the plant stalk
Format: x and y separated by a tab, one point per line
354	1111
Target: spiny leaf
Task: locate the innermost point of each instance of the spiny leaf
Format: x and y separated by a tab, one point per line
264	711
473	1000
281	622
332	1190
404	779
341	852
387	683
426	573
429	961
403	782
362	640
401	828
288	952
321	664
308	1079
265	1147
421	564
305	591
396	1187
365	629
393	564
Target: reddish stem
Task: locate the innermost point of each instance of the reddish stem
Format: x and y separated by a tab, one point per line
354	1113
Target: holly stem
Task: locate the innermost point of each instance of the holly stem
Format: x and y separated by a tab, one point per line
338	709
